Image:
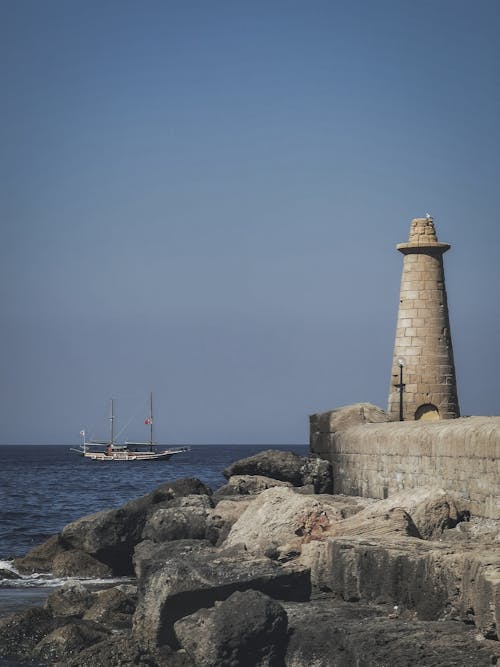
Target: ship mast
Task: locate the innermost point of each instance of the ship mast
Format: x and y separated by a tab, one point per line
111	421
151	422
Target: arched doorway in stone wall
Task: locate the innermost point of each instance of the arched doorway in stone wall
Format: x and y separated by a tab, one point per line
427	413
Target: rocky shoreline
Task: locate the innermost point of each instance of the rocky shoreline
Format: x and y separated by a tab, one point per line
271	570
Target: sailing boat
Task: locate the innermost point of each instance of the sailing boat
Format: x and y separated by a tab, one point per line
130	451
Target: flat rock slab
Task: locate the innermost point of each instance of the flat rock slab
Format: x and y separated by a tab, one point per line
181	587
329	633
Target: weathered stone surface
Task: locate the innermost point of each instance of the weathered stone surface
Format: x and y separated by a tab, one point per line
111	535
67	641
186	520
40	558
248	629
279	516
287	467
150	556
77	563
378	460
343	418
224	515
21	632
169	491
423	332
72	599
245	485
427	577
125	652
180	587
331	633
113	607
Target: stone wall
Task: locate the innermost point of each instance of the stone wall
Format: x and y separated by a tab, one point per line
375	458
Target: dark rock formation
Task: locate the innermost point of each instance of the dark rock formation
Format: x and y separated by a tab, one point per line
125	652
287	467
331	633
245	485
72	599
21	632
150	556
68	641
183	519
41	557
180	587
248	629
113	607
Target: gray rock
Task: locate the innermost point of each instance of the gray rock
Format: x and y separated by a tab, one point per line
248	629
182	586
125	652
21	632
77	563
221	519
111	535
330	633
150	556
71	600
68	641
112	608
287	467
245	485
41	557
184	518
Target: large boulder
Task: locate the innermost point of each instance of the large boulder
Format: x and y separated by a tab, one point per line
113	607
21	632
248	629
332	633
68	641
41	557
221	519
183	518
123	651
77	563
71	600
150	556
287	467
245	485
279	517
181	586
111	535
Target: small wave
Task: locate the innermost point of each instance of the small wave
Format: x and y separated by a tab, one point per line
46	580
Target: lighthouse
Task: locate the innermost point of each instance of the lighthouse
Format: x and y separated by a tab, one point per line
423	382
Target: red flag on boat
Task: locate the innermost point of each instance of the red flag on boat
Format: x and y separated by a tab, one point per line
148	420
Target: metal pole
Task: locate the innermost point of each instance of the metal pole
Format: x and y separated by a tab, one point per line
401	388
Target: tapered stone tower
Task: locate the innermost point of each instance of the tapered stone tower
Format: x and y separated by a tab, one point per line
423	353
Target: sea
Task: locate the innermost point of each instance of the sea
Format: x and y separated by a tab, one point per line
44	487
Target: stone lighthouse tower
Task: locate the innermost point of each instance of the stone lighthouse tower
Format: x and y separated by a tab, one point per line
423	383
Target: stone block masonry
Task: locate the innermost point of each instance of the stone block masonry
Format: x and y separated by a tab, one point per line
423	338
375	458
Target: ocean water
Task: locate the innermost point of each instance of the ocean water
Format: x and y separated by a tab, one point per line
42	488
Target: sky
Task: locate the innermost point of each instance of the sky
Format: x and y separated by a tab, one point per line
203	199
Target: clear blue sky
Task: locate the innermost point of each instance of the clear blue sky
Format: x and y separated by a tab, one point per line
203	199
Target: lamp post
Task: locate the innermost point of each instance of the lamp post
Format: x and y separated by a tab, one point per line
401	386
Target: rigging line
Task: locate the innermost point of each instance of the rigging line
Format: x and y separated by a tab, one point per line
134	416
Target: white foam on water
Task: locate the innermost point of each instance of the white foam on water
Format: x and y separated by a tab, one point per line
45	579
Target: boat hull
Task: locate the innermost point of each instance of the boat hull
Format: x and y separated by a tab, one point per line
130	455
